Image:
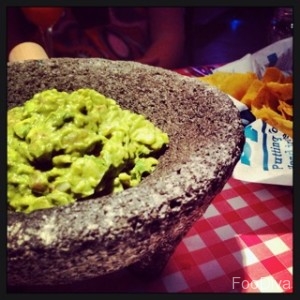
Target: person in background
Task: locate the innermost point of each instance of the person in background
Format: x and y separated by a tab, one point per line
150	35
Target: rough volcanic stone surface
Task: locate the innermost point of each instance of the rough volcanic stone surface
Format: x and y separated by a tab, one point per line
140	227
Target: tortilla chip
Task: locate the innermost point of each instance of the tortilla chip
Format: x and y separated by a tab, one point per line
234	84
269	98
274	119
285	126
255	94
272	102
273	74
284	91
286	110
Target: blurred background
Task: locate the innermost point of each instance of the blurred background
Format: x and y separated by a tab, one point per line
214	35
221	35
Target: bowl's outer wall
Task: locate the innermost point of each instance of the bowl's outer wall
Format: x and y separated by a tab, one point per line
141	226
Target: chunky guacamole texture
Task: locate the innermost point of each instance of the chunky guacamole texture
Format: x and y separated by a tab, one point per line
67	146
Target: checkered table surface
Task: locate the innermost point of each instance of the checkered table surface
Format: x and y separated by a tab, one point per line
243	243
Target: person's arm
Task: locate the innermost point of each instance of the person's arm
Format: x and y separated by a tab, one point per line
167	26
26	51
17	28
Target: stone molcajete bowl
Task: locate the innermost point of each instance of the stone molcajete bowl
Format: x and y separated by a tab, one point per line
140	227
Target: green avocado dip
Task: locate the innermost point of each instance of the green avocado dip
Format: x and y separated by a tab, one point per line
67	146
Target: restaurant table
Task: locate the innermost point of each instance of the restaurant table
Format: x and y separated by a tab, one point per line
243	243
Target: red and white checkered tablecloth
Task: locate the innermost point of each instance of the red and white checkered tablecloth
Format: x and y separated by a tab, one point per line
243	243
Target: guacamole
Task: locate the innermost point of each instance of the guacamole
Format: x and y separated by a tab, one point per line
67	146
